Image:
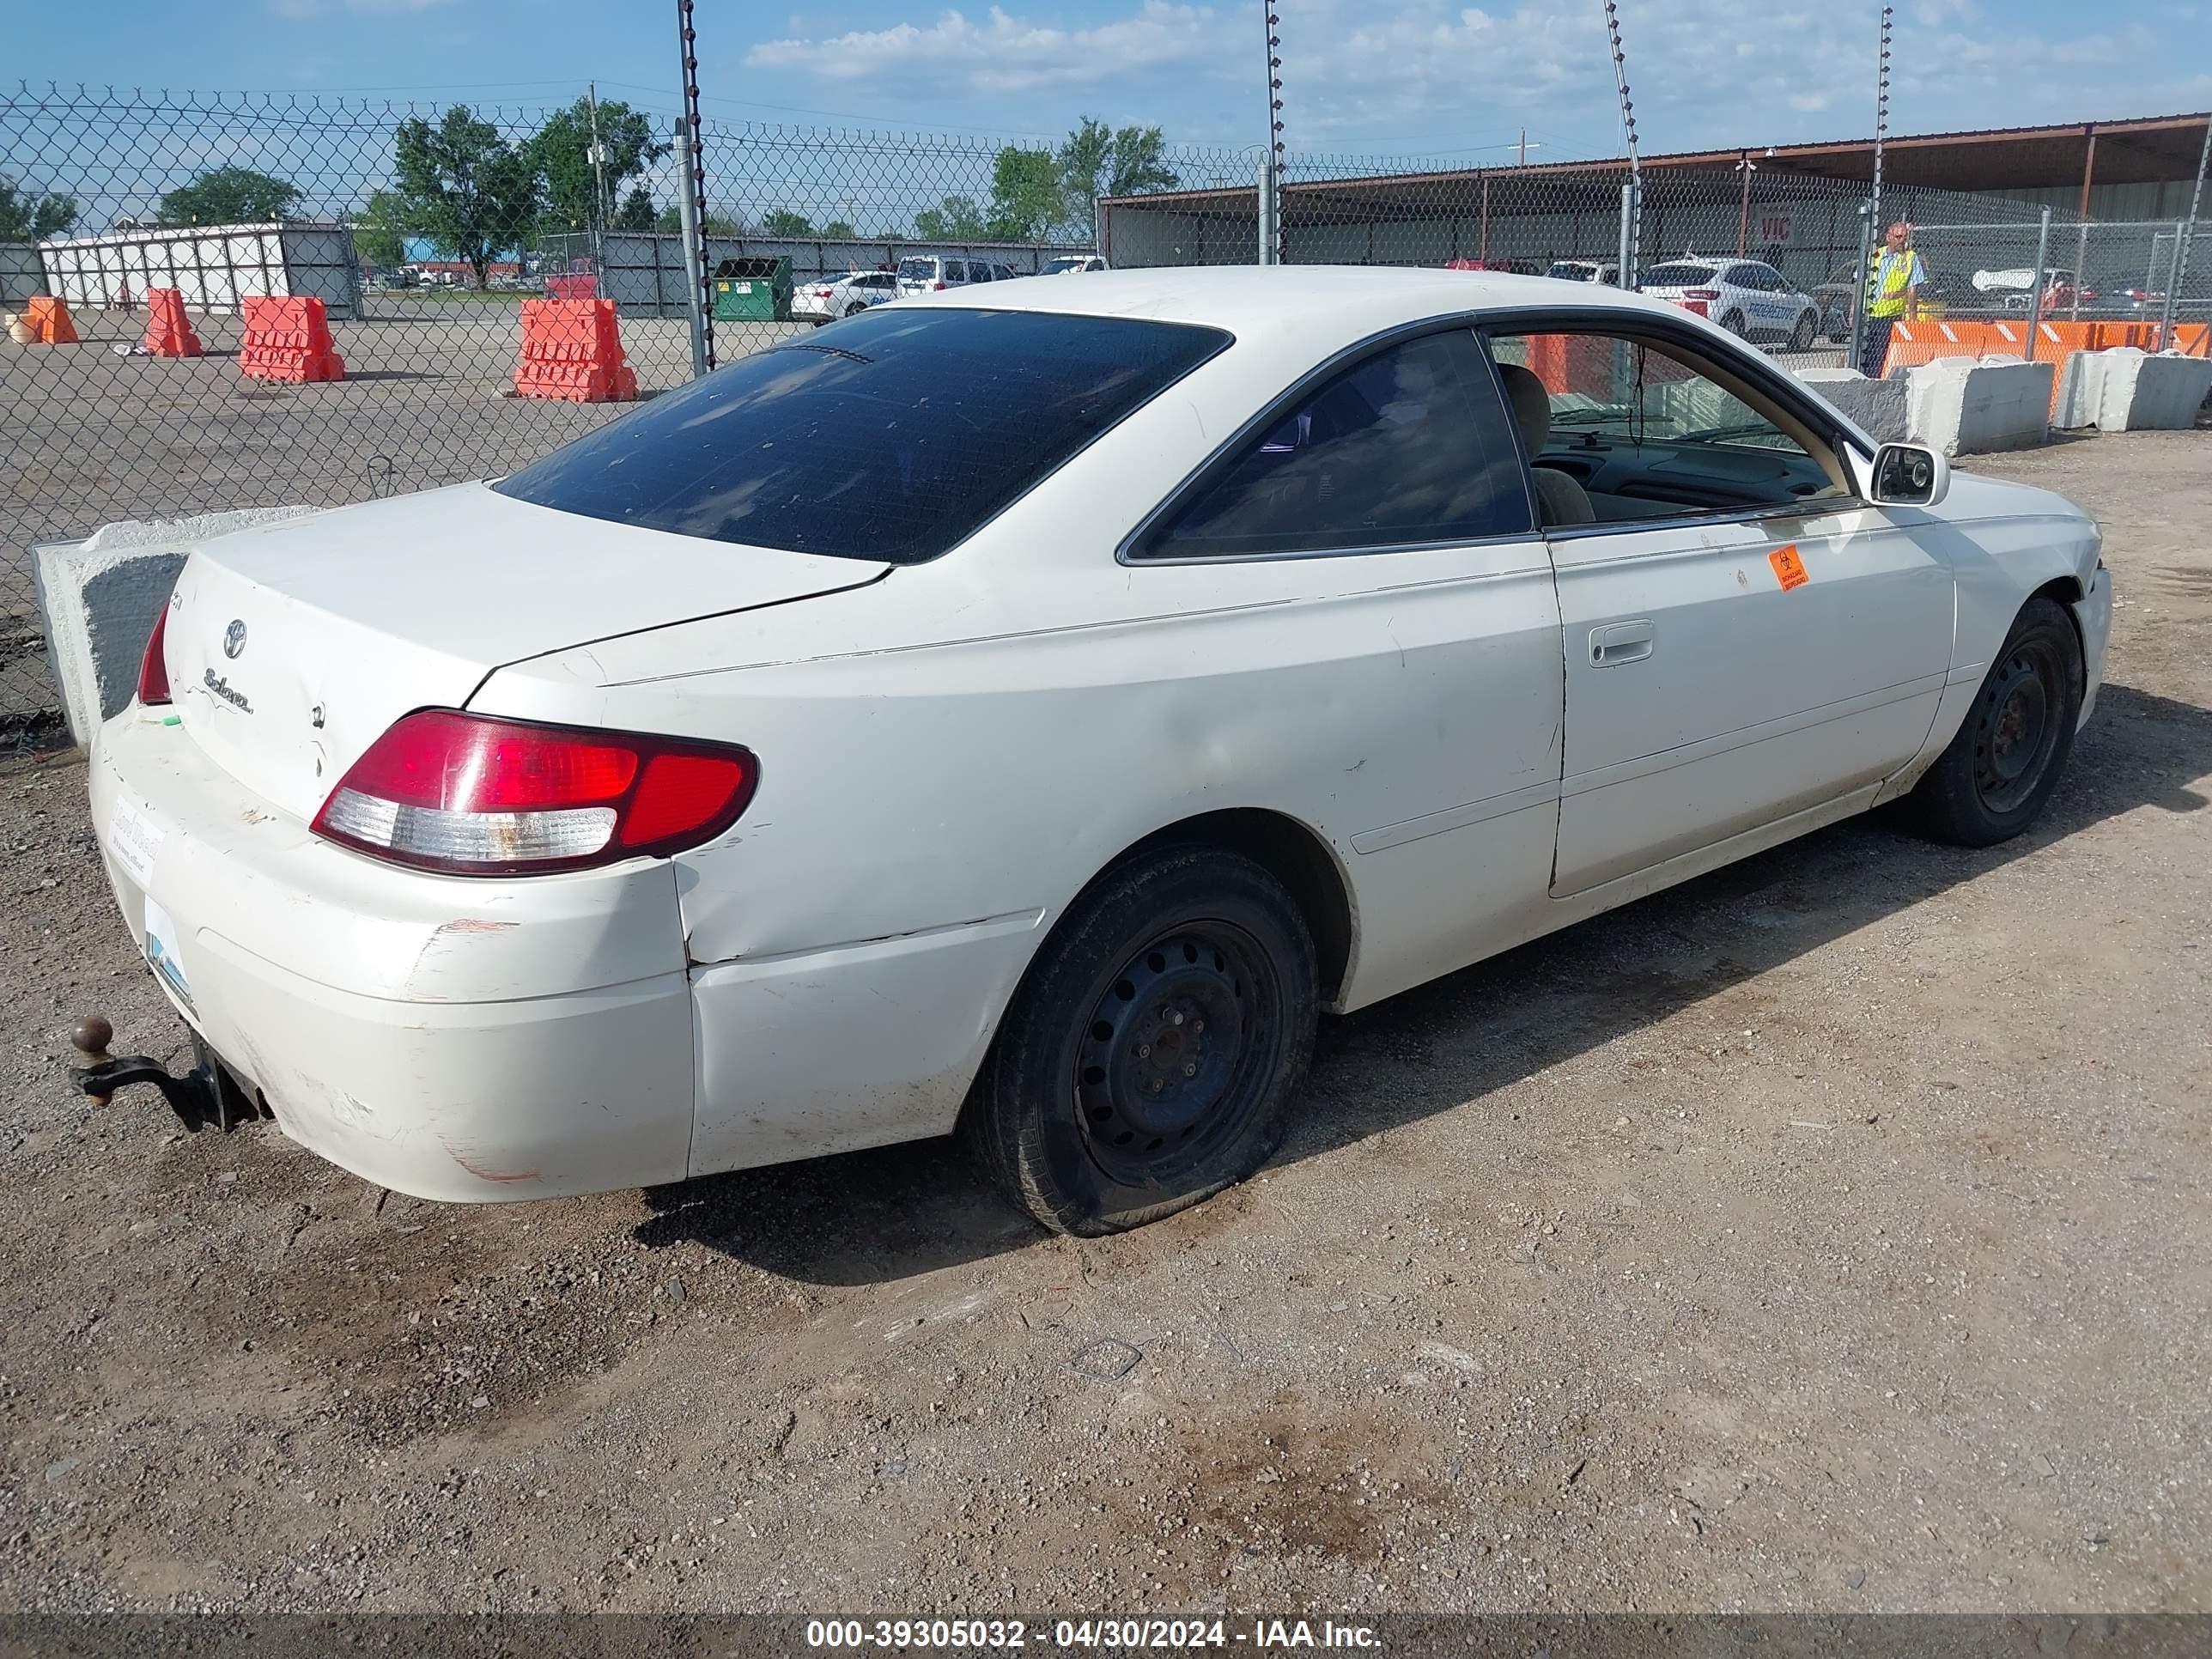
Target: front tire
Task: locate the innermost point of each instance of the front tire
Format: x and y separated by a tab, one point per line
1993	780
1153	1054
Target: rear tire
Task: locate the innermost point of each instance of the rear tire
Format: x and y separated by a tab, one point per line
1993	780
1734	323
1153	1052
854	309
1808	328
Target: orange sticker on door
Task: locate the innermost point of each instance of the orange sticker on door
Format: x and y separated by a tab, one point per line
1789	568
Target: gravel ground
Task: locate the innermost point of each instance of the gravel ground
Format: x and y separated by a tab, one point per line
1830	1233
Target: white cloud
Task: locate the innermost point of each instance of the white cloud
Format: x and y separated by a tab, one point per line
1003	54
1404	75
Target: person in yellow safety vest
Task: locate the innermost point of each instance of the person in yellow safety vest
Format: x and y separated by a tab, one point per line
1895	276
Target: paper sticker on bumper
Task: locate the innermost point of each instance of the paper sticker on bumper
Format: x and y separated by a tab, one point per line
135	840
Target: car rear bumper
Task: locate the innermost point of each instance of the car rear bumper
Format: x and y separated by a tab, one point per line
447	1037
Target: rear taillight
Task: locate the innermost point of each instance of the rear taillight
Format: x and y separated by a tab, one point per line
821	293
938	287
473	795
1708	294
154	669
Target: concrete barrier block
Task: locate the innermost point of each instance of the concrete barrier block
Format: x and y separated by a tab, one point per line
1971	406
2144	391
1877	406
2081	383
98	597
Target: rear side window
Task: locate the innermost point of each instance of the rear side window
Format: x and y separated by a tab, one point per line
1412	444
894	434
955	271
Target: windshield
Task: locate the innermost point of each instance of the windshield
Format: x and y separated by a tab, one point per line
1568	271
1053	267
894	434
915	270
1678	276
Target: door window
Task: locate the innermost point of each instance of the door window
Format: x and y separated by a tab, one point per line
1411	445
1646	428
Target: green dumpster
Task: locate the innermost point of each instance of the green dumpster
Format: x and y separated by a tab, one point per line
753	290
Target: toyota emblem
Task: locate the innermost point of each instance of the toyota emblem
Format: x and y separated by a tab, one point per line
234	638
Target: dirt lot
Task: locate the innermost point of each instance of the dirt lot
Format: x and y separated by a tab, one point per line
1831	1233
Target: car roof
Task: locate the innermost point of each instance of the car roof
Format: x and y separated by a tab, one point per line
1351	301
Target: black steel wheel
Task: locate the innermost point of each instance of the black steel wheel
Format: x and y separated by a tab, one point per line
1151	1055
1992	780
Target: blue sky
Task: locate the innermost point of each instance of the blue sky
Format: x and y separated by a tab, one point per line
1362	76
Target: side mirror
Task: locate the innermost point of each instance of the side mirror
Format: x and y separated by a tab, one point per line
1910	475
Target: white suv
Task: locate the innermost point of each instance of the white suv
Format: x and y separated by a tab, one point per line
927	273
1750	300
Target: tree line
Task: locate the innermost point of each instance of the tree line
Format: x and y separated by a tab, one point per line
478	194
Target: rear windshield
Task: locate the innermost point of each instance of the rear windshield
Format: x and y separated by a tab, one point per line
914	268
894	434
1569	273
1677	276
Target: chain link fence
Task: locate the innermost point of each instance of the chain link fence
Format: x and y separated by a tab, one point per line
422	228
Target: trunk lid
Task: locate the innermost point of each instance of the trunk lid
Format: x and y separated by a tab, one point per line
293	647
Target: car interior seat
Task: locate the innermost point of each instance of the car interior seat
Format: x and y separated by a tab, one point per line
1559	500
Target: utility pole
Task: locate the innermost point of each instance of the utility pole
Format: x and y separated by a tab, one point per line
1746	167
1524	159
598	156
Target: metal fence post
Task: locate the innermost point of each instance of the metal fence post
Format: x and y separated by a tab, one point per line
693	149
1859	283
2172	286
2081	269
2040	282
2196	202
1267	209
1627	214
695	281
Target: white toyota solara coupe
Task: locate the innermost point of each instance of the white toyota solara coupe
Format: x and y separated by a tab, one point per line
1025	710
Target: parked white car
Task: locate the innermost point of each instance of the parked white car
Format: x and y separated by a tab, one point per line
826	300
1585	271
1073	265
1752	300
1113	677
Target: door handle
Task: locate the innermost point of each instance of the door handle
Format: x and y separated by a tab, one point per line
1619	642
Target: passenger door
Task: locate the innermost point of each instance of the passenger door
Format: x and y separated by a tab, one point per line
1360	575
1745	639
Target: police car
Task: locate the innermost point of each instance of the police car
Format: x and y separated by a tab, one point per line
1745	297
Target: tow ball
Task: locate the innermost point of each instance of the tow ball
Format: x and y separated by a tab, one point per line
208	1096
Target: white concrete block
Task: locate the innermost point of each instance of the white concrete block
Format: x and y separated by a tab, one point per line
2146	391
1970	406
1878	407
98	599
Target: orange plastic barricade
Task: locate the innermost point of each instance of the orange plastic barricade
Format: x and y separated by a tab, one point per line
2193	339
287	339
1920	342
572	350
47	320
167	332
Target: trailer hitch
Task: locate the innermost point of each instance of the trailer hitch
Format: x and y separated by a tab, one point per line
208	1095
